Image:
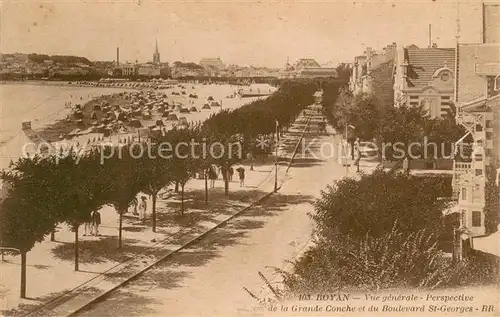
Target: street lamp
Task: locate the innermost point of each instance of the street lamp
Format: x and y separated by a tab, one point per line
276	164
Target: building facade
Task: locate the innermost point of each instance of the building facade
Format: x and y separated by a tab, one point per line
212	62
478	110
372	72
425	76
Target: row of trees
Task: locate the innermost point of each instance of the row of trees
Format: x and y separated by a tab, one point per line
67	187
392	124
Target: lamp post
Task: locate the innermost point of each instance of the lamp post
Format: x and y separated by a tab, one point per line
276	164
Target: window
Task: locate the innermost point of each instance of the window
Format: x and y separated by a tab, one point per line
445	76
476	219
464	193
493	84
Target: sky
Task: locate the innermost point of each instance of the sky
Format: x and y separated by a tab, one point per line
260	33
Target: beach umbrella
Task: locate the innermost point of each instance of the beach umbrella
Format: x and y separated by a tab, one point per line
193	109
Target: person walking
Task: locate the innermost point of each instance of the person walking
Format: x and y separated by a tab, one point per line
142	208
241	174
88	226
230	173
135	204
96	221
212	175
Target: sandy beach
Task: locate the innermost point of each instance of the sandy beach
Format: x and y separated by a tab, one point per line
46	107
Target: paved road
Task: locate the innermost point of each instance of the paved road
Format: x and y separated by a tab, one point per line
208	278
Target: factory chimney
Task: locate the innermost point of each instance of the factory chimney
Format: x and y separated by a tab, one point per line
117	57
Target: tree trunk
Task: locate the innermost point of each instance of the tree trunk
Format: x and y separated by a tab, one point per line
226	183
120	223
23	274
53	235
176	187
182	200
76	248
206	187
153	211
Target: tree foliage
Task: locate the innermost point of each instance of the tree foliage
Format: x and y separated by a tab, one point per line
374	203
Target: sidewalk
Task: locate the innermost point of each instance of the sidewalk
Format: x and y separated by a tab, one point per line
50	274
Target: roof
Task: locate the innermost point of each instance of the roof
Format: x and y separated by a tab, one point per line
423	62
307	62
330	72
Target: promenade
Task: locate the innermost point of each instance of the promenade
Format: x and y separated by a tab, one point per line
55	289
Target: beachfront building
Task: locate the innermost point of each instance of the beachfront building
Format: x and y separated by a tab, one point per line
307	68
478	110
212	63
425	76
317	72
128	69
149	70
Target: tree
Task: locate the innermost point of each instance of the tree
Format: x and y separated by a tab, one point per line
85	189
374	203
157	173
184	163
30	210
399	127
125	179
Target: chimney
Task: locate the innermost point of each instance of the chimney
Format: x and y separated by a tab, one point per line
117	57
430	36
26	125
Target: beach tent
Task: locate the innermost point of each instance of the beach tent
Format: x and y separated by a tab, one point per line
215	104
165	113
122	116
96	115
183	121
206	106
78	114
184	110
172	117
193	109
135	123
210	98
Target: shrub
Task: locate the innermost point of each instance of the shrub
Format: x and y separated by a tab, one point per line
394	260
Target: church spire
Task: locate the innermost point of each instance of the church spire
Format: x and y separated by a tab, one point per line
156	54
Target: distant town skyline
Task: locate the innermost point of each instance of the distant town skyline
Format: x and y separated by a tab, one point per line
242	33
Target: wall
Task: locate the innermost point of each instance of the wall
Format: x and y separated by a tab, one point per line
382	85
491	20
470	85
